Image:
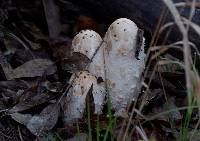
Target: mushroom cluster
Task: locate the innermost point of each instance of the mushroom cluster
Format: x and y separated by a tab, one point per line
113	70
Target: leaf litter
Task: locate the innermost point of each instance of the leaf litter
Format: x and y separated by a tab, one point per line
43	90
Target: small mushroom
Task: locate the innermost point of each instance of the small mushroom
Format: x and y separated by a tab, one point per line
83	49
123	69
86	43
82	82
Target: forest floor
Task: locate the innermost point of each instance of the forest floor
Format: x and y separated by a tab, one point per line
34	46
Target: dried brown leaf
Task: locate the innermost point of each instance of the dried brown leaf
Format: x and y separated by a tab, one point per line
35	67
21	118
6	67
75	63
45	121
32	68
52	17
29	103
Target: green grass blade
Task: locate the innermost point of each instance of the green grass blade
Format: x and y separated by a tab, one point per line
89	122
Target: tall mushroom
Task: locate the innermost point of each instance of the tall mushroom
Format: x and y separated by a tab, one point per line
123	69
90	75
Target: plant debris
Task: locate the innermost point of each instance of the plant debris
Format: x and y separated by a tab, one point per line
75	70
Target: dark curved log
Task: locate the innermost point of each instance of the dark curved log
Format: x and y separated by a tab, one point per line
145	13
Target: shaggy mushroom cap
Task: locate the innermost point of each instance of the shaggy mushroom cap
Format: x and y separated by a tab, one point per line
74	104
84	51
123	70
86	42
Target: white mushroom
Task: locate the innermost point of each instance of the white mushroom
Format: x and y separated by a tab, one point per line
123	69
82	82
87	43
